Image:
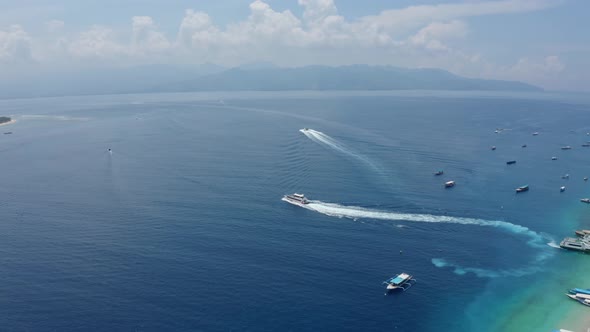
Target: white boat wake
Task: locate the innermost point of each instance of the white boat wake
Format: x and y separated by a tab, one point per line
535	240
330	142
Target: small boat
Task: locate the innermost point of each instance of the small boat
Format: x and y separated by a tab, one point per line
401	281
586	145
524	145
553	158
583	233
585	200
297	199
562	189
585	178
535	133
579	291
522	189
305	129
439	172
565	176
582	298
511	162
493	148
496	131
449	184
8	133
567	147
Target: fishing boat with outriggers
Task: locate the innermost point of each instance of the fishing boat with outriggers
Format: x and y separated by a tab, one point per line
296	199
522	189
401	281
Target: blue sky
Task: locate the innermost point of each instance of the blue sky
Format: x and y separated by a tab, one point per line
544	42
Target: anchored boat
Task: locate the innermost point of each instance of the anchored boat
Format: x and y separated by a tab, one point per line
562	189
439	172
522	189
511	162
582	298
585	200
449	184
401	281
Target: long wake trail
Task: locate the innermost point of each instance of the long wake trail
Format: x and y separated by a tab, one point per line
330	142
535	240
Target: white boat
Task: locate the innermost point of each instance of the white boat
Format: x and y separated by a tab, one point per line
562	189
401	281
567	147
449	184
553	158
535	133
297	199
582	298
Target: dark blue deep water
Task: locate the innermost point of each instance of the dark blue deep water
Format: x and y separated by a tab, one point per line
182	227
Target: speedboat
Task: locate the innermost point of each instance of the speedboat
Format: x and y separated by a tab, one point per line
586	145
449	184
522	189
305	129
553	158
585	200
524	145
297	199
562	189
439	172
565	176
567	147
511	162
582	298
535	133
401	281
493	148
585	178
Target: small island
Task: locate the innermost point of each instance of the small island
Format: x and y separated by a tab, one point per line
4	120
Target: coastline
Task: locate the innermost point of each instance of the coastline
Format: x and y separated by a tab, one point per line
7	123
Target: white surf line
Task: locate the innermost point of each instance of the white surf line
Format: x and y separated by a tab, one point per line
535	240
328	141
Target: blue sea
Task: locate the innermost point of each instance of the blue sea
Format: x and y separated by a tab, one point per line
181	226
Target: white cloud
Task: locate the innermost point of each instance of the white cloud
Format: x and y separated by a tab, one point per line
15	45
146	37
55	25
415	36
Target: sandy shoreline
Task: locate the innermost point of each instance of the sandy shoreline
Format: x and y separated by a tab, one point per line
7	123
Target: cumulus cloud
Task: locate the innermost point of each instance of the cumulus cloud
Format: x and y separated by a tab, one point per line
425	35
15	45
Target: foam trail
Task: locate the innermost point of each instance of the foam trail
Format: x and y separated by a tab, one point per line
321	138
535	239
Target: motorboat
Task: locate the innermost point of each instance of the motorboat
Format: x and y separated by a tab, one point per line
585	178
401	281
582	298
586	145
535	133
524	145
567	147
562	189
585	200
553	158
297	199
493	148
565	176
575	291
511	162
449	184
522	189
439	172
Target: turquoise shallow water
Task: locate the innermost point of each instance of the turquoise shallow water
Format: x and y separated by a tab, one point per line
182	227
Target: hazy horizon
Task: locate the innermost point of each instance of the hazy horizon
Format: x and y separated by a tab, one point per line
535	42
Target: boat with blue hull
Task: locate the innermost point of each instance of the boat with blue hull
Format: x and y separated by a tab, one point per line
579	291
401	281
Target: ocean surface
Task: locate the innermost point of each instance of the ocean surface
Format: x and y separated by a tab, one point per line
181	226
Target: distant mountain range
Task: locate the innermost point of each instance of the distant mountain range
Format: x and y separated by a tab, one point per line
253	77
356	77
